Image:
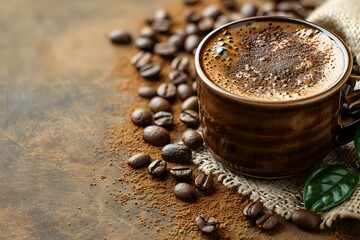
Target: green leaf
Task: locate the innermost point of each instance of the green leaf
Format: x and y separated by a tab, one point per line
328	186
357	142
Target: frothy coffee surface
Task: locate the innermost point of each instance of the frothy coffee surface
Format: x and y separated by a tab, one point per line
274	61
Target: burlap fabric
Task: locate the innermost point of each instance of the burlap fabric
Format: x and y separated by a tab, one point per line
284	196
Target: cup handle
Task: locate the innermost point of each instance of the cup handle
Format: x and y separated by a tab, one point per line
350	112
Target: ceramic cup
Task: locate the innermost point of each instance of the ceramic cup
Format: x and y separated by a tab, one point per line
275	139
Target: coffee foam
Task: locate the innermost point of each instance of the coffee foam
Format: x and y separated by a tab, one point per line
274	61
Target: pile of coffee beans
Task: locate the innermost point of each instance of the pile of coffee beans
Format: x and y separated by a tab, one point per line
176	46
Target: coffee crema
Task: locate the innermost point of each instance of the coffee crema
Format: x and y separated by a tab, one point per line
272	60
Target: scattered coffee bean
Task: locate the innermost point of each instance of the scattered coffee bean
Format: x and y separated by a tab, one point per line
191	28
190	103
221	20
184	91
292	7
248	10
176	153
145	43
189	2
157	168
194	87
181	173
178	77
120	37
177	40
206	24
192	16
156	136
190	118
253	210
191	42
161	14
185	192
265	8
267	220
141	58
147	92
203	181
158	104
161	25
356	69
229	4
306	220
180	63
212	11
150	70
163	119
192	138
165	49
147	32
142	117
139	160
207	224
167	91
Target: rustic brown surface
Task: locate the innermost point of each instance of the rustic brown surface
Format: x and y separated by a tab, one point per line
57	95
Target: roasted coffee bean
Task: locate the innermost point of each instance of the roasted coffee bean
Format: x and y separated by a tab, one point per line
147	32
165	49
158	104
191	28
253	210
191	42
203	181
267	220
189	2
306	220
221	20
157	168
185	192
207	224
192	16
181	173
234	16
184	91
265	8
141	58
194	87
190	118
192	139
178	77
212	11
150	70
229	4
145	43
356	69
180	63
120	37
139	160
163	119
176	153
167	91
142	117
206	24
292	7
178	40
161	25
190	103
161	14
156	136
248	10
147	92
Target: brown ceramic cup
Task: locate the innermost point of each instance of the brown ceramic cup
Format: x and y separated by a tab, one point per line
275	139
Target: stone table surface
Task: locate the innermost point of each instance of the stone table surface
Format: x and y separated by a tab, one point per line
54	89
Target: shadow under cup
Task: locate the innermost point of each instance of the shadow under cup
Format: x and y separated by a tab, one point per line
265	138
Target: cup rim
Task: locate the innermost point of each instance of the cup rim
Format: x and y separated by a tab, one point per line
335	87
